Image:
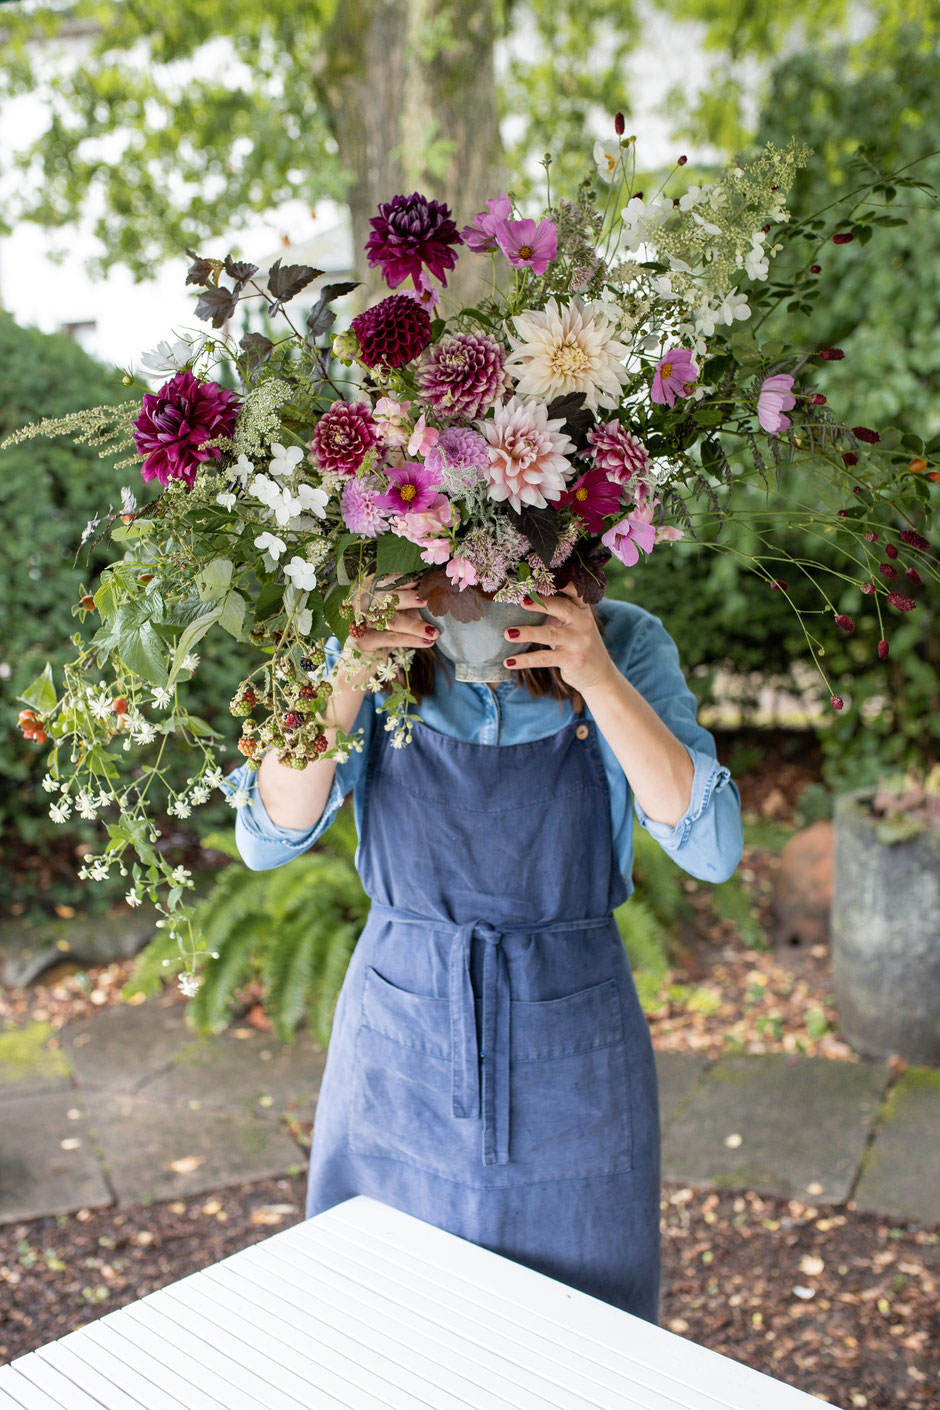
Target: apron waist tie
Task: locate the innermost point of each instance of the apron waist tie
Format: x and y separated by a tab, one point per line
469	1097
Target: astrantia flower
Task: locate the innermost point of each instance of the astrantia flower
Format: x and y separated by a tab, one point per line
592	497
462	375
675	374
412	488
409	233
775	397
480	236
620	455
343	436
573	349
392	333
527	245
627	538
361	514
175	421
606	157
458	458
527	454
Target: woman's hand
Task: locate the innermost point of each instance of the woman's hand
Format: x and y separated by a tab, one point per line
405	627
574	644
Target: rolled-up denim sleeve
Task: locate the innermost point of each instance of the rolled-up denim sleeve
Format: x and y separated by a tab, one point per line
707	841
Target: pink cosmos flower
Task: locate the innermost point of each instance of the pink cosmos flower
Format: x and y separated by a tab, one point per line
461	572
593	497
675	374
423	437
428	523
527	245
411	490
775	397
425	293
391	419
629	536
481	235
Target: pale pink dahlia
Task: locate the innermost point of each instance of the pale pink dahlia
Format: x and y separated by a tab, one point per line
617	453
527	454
344	433
462	375
175	421
361	514
459	458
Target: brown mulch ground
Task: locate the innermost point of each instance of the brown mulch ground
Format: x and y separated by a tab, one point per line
841	1304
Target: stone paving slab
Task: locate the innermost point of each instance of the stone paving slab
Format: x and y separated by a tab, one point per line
777	1125
119	1049
29	1064
48	1163
156	1152
901	1170
679	1076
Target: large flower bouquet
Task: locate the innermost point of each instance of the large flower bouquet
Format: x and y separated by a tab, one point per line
605	394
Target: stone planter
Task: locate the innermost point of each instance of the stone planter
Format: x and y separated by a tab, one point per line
478	648
886	935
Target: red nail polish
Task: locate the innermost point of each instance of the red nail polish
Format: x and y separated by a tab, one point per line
512	632
527	602
430	631
510	661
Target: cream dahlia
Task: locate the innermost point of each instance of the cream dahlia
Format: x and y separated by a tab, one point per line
527	454
561	350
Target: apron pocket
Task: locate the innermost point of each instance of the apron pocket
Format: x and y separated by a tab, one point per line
569	1085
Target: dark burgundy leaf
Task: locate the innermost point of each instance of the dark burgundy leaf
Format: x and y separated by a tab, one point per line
540	527
240	272
215	306
258	348
284	281
202	271
578	419
442	597
320	318
585	570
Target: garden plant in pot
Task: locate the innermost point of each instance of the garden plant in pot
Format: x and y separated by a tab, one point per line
607	392
886	918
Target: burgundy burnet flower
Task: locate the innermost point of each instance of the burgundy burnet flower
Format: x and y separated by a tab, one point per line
890	551
620	125
845	623
817	399
915	539
815	269
837	702
871	536
831	354
463	375
849	457
865	433
392	333
902	603
913	577
778	584
344	435
175	422
410	233
868	589
887	570
883	650
843	237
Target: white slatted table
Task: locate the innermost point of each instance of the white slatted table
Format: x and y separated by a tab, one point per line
365	1308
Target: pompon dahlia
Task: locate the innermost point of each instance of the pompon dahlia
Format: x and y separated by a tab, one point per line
392	333
527	454
175	421
344	435
572	349
459	458
361	514
620	455
411	232
463	375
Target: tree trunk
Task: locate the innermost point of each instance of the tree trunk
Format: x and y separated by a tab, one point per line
410	90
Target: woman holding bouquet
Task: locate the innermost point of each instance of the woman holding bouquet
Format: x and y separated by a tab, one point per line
490	1069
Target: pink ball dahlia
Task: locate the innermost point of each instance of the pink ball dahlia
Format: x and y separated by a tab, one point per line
361	514
462	375
459	458
175	421
344	433
408	233
617	453
392	333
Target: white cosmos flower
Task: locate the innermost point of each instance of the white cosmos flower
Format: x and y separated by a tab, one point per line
301	573
284	459
168	357
606	156
574	349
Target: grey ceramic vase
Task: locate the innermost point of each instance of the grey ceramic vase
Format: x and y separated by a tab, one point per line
479	648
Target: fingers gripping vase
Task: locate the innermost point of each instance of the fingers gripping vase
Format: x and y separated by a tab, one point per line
478	648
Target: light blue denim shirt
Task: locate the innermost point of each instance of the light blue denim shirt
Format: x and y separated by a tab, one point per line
706	841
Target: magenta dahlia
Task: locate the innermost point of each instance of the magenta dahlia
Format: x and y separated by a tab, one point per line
617	453
409	233
392	333
175	422
463	375
344	434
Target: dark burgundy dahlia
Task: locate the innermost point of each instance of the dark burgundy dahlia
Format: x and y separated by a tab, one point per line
175	422
344	435
392	333
410	232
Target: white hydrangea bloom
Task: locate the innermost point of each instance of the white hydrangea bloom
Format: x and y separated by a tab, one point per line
284	459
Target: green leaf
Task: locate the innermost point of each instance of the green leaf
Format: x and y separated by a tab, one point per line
395	555
139	529
214	579
142	652
198	727
335	620
269	600
41	694
232	616
193	633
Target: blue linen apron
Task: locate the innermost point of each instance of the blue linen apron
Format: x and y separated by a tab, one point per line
490	1069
